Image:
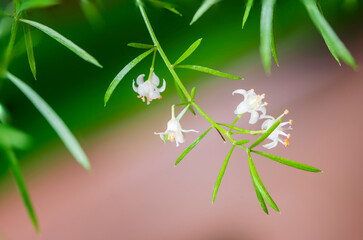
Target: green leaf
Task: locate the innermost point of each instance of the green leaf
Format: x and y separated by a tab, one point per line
140	45
288	162
331	39
31	4
202	9
165	5
10	155
273	46
123	72
91	13
256	179
235	128
266	134
188	52
14	138
57	124
182	97
191	146
181	114
192	94
221	173
259	197
29	50
64	41
247	12
266	33
209	70
241	142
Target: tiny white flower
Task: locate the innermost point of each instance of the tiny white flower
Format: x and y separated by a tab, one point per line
277	135
148	89
251	103
174	131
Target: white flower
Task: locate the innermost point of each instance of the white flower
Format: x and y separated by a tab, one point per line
251	103
278	133
148	89
174	131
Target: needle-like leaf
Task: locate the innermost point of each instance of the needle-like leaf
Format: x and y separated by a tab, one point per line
165	5
247	12
288	162
91	13
188	52
259	197
202	9
256	179
32	4
192	94
182	97
123	72
140	45
15	138
10	155
191	146
30	50
64	41
209	70
331	39
241	142
266	134
54	120
221	173
266	28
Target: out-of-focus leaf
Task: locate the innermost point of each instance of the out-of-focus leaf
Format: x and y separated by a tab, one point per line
241	142
123	72
4	114
186	151
91	13
247	12
30	50
14	138
331	38
266	134
64	41
266	28
256	179
10	155
221	173
202	9
54	120
192	94
273	45
165	5
209	70
288	162
259	197
31	4
181	114
188	52
140	45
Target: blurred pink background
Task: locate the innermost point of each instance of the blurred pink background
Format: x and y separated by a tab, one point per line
135	192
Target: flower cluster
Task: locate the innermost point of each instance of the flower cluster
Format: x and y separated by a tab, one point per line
148	89
253	104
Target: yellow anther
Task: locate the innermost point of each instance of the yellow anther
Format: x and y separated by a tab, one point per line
252	90
160	97
265	103
286	112
263	95
289	136
290	122
286	142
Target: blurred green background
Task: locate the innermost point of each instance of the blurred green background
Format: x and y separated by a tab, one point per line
75	89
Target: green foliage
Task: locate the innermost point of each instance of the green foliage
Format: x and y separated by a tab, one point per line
29	50
261	188
166	5
123	72
288	162
57	124
266	134
335	45
188	52
33	4
140	45
209	70
14	138
91	13
202	9
191	146
221	174
64	41
247	12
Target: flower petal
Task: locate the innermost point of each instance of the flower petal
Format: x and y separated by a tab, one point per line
162	88
270	145
134	87
155	80
254	117
240	91
140	79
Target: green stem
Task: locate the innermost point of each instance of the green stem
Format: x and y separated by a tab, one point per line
234	122
152	64
174	74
